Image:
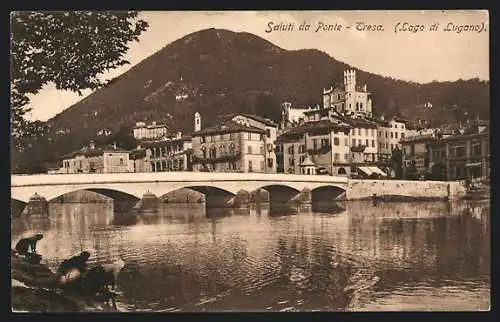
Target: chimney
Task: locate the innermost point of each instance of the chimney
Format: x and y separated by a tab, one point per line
114	145
138	147
92	145
197	122
382	118
179	135
153	123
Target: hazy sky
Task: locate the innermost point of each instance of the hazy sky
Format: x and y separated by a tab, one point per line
423	56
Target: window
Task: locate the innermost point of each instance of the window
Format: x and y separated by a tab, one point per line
402	135
268	133
366	132
460	151
392	135
392	146
379	133
291	161
353	142
367	143
213	152
346	157
262	165
232	136
121	162
250	166
359	142
203	139
346	141
336	157
315	144
269	162
381	145
396	134
338	96
476	149
302	158
386	134
373	143
249	149
302	148
249	136
262	149
326	142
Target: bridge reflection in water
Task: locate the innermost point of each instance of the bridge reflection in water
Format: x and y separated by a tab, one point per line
344	256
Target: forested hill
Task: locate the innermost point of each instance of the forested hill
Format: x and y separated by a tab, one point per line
218	71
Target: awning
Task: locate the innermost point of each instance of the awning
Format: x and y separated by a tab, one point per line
378	171
366	170
476	164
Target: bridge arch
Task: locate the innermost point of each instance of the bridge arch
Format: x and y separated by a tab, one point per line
326	193
16	207
280	193
116	195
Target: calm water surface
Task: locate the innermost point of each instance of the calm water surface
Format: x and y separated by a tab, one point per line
348	257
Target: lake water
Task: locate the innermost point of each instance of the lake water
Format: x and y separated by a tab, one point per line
350	256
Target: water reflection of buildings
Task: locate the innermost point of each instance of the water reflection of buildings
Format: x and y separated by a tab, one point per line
432	237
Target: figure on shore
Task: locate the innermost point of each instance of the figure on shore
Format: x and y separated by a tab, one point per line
27	247
100	277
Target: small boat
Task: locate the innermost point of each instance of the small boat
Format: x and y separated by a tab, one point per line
35	275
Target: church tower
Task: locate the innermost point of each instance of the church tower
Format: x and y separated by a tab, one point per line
197	122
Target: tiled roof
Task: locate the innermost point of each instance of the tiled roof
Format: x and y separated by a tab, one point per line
315	125
88	152
257	118
228	127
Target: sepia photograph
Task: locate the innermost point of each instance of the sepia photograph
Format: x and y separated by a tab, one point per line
250	161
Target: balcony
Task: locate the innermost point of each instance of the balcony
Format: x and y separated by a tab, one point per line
322	150
221	159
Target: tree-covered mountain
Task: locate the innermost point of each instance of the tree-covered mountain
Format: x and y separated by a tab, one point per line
218	71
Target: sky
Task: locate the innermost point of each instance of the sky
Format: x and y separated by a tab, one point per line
390	50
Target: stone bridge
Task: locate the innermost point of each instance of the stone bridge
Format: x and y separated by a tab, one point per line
219	188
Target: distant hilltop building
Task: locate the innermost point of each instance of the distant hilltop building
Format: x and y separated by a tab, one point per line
149	132
349	99
104	132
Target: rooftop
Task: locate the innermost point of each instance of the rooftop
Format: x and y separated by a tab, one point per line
257	118
88	152
228	127
323	125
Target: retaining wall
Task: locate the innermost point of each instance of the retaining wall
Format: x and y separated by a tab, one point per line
363	189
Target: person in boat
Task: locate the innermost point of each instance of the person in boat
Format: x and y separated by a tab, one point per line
74	268
27	247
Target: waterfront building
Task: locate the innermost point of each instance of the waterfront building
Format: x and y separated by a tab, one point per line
389	136
92	159
153	131
171	154
468	155
237	143
416	155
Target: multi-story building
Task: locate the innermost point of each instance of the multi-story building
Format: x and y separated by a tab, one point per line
108	159
170	154
459	153
468	155
389	136
153	131
238	143
416	155
338	146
